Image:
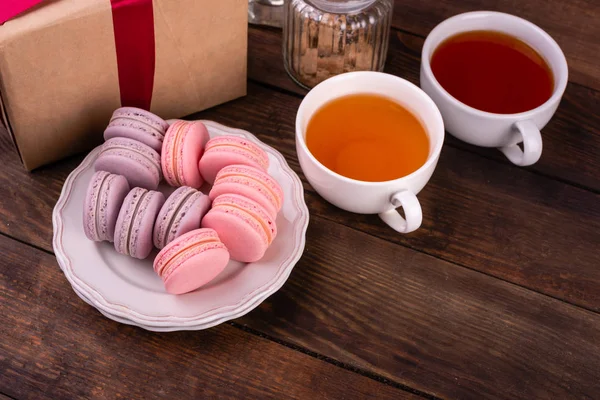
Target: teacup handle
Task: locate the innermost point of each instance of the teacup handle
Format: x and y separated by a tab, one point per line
532	145
413	216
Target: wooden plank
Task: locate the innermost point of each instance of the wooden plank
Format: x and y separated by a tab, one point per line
265	59
573	24
488	216
376	306
313	324
571	139
441	329
55	346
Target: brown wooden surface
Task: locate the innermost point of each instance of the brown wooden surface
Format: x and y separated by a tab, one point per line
307	308
61	347
530	229
496	296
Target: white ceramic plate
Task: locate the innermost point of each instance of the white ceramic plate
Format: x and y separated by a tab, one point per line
127	290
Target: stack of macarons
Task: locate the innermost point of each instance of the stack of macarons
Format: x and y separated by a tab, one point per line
196	233
245	203
222	151
133	142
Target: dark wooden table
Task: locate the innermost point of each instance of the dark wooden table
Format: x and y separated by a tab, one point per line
496	296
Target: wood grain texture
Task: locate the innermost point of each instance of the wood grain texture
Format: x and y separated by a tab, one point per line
54	346
485	215
390	310
420	321
573	24
380	307
571	139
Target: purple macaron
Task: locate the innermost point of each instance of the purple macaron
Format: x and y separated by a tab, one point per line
103	200
137	124
138	163
181	213
133	231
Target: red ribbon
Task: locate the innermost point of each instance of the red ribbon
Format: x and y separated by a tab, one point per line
133	24
12	8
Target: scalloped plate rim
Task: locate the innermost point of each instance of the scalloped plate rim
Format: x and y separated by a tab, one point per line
211	317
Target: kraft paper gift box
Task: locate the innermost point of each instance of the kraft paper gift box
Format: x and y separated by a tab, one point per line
66	65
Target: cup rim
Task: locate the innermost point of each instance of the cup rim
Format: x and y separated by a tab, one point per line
561	81
431	158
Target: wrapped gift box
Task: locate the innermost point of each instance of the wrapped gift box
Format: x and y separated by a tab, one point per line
66	65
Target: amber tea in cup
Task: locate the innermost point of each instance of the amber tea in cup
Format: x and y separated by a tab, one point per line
493	72
368	143
367	137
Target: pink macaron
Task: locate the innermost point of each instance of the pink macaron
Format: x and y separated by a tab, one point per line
222	151
243	225
135	224
250	182
182	148
191	261
137	124
181	213
138	163
103	200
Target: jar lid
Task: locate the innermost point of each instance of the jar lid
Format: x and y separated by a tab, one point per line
341	6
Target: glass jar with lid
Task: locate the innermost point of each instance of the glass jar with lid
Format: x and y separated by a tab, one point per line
323	38
265	12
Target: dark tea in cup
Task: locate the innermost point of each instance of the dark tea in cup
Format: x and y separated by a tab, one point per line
497	80
493	72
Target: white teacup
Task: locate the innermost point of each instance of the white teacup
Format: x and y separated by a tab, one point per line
372	197
486	129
